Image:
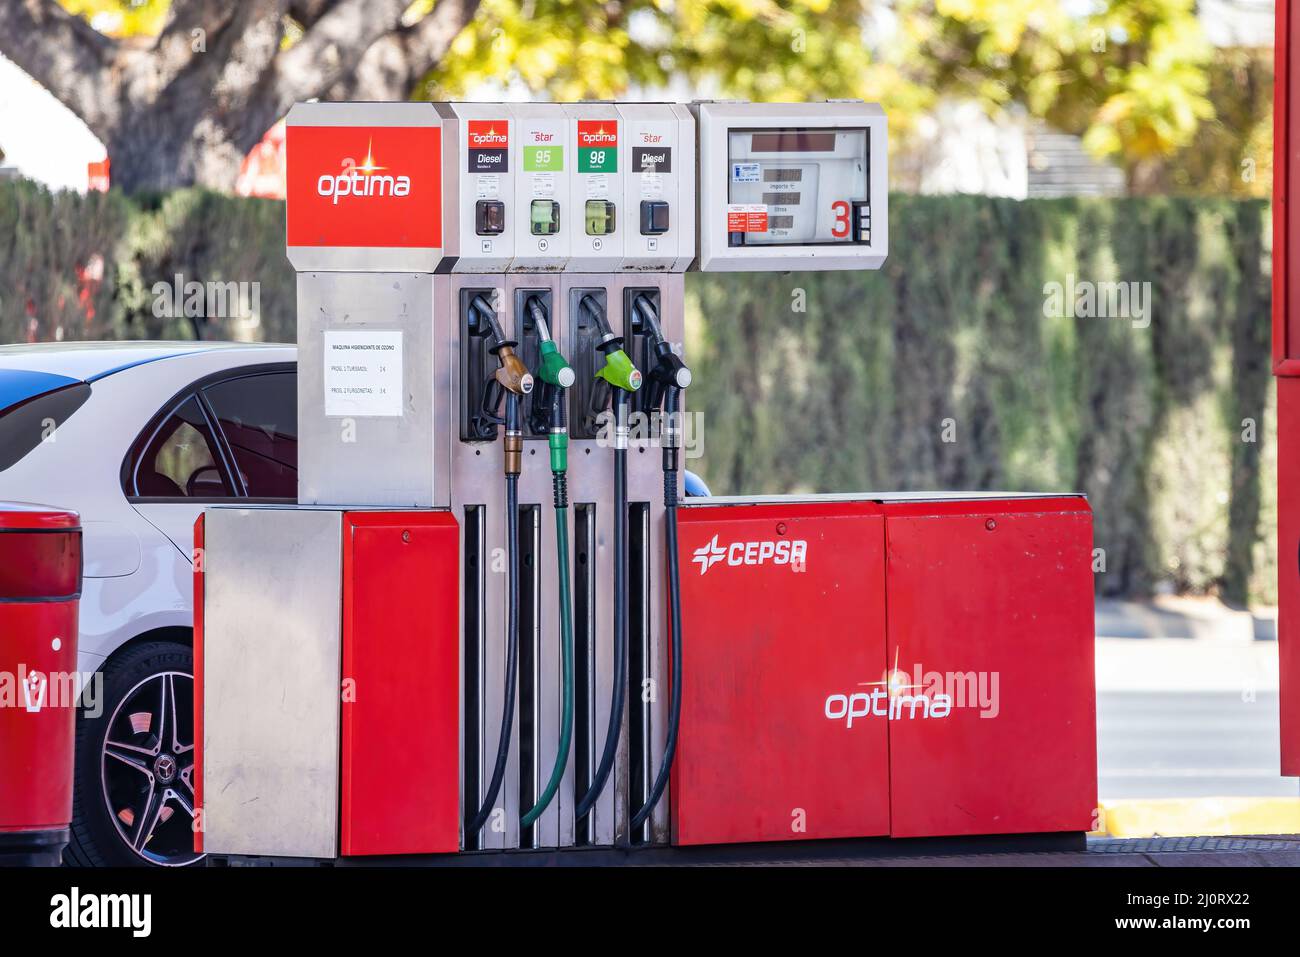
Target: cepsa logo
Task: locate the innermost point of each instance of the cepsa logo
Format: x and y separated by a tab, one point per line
367	178
364	186
778	552
489	133
597	132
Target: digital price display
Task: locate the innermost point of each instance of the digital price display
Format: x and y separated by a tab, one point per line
816	184
792	186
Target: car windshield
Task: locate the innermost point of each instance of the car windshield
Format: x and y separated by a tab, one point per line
32	407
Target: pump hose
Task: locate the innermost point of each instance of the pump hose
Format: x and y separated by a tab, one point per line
512	638
566	649
620	612
675	605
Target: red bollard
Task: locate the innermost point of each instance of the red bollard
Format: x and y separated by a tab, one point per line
40	584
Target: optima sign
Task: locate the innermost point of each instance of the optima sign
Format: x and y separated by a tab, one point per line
364	186
489	146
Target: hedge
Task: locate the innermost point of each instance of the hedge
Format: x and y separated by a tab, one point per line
953	367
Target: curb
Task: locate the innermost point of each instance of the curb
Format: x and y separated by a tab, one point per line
1188	817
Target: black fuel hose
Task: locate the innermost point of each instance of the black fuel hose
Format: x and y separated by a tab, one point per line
672	399
512	632
617	697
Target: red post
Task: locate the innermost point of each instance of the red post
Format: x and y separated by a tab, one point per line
1286	366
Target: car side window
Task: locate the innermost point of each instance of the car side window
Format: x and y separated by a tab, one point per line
258	415
180	460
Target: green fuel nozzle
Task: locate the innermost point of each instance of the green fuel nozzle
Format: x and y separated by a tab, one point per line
556	375
619	371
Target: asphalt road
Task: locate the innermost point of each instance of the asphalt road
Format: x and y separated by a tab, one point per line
1188	743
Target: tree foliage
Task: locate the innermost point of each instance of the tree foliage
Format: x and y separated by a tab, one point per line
1137	79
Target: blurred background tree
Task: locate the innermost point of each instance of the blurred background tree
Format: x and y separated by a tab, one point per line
180	90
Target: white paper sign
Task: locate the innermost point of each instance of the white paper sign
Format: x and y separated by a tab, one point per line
363	373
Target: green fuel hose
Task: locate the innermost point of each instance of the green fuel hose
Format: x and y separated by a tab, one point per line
559	440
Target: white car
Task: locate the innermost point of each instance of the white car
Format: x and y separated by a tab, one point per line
138	437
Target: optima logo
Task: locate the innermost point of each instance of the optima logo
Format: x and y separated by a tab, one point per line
489	133
366	179
779	552
920	695
598	132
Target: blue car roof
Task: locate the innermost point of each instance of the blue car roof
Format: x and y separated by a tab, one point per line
19	385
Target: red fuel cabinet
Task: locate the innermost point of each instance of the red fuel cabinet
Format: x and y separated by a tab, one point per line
903	666
359	682
40	584
401	640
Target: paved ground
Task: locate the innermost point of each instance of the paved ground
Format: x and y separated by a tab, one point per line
1154	744
1187	702
1283	851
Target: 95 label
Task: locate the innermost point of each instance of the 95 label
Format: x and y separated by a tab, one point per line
544	159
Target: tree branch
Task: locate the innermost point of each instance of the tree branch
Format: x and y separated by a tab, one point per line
332	47
386	66
61	52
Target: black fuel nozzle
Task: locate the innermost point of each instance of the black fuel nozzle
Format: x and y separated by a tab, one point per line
669	371
664	383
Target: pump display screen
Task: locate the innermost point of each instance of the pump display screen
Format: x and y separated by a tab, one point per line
792	141
796	187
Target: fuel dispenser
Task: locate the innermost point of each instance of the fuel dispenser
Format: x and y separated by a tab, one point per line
490	324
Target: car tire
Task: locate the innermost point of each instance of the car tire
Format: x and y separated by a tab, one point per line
134	759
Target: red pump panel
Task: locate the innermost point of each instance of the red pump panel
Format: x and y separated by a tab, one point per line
401	683
1286	365
1288	570
991	605
783	609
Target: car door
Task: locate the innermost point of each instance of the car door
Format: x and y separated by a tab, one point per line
228	437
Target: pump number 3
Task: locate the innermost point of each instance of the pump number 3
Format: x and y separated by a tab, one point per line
843	219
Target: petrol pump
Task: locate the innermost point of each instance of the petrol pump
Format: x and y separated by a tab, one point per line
492	624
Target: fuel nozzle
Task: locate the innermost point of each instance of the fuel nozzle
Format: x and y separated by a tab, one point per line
512	380
548	412
669	370
512	374
618	372
553	368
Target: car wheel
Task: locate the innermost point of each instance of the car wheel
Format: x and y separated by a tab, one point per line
133	800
